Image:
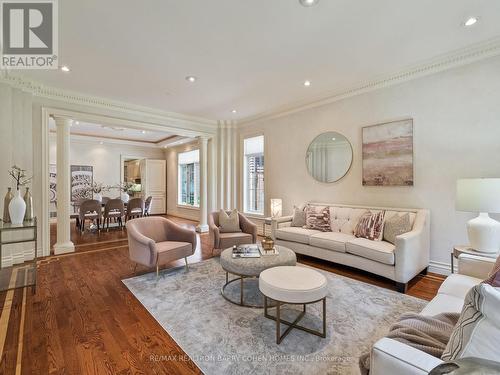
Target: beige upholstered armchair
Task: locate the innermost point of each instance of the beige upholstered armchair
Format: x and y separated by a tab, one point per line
155	241
248	233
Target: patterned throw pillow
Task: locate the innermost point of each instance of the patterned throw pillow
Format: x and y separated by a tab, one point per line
396	225
477	333
370	226
299	217
494	276
318	218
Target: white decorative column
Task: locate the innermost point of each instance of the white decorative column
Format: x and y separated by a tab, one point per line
203	226
63	243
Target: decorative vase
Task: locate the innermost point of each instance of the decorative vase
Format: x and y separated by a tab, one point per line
28	199
267	244
124	197
6	201
17	209
98	197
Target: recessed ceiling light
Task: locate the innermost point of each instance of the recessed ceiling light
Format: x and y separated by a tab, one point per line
143	131
65	68
333	139
101	143
77	122
307	83
471	21
233	111
308	3
191	79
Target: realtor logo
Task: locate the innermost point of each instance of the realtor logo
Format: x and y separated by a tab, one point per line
29	34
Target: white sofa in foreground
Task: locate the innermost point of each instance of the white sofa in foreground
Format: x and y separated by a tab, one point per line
393	357
400	262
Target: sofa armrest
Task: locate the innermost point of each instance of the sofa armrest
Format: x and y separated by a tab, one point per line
412	251
177	233
216	233
475	266
141	249
276	222
389	356
248	227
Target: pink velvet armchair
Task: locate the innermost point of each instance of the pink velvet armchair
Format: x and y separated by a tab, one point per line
248	233
155	241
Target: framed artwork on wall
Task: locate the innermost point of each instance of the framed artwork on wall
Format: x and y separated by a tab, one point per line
82	177
388	154
52	183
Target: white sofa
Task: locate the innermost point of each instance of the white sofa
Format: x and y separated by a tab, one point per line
393	357
400	262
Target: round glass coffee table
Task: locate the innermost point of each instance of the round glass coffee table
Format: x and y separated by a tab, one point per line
246	268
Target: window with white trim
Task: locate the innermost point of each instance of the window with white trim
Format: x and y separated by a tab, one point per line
253	175
188	179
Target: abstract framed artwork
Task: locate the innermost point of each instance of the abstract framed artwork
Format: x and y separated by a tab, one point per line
82	177
52	183
388	154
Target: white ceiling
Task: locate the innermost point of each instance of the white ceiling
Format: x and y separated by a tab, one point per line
114	132
252	56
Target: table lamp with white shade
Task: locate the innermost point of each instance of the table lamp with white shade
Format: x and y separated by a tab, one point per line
276	207
481	195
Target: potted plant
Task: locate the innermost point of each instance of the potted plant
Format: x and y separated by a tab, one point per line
17	206
98	188
125	187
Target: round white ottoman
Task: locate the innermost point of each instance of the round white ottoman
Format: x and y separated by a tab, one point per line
293	285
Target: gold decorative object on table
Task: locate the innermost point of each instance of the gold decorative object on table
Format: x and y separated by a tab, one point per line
267	243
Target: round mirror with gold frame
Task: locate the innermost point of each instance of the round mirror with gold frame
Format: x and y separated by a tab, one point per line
329	157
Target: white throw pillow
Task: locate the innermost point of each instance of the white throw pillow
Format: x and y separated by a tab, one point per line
477	333
229	223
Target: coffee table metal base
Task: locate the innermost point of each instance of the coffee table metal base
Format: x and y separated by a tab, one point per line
241	301
294	324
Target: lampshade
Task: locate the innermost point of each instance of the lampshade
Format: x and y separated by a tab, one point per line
478	195
276	207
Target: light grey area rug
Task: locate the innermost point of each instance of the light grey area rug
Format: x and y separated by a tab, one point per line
222	338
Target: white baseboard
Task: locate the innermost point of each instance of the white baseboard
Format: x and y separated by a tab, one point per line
440	267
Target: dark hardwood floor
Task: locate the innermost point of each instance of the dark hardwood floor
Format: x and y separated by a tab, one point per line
83	320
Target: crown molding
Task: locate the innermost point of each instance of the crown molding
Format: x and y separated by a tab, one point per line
454	59
40	90
94	139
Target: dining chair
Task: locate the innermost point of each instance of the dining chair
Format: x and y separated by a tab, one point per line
147	206
90	209
114	209
105	200
76	211
135	208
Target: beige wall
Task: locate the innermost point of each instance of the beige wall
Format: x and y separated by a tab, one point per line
105	158
456	134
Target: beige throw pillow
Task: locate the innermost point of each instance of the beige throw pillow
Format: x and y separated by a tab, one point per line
396	225
229	223
299	217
